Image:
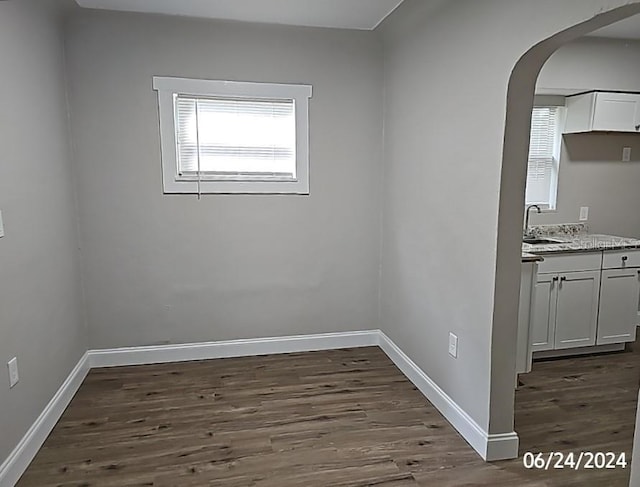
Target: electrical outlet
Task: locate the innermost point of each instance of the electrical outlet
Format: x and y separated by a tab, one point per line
584	213
453	345
12	365
626	154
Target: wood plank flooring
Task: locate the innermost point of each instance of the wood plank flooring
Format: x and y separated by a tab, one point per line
579	404
336	418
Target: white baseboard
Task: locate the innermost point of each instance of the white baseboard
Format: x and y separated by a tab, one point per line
572	352
14	466
502	447
489	447
117	357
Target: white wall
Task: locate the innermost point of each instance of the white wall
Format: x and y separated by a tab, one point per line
451	257
168	268
591	63
592	174
591	171
40	299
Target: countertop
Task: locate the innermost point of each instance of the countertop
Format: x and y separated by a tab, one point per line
581	243
572	237
527	257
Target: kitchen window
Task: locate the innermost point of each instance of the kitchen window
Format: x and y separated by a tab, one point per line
544	156
233	137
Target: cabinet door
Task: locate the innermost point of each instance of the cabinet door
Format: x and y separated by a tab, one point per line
543	317
616	112
525	312
577	309
619	306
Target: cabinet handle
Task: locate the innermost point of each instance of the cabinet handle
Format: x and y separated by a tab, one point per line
555	278
637	127
625	258
563	278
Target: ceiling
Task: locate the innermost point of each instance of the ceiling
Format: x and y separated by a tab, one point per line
347	14
625	29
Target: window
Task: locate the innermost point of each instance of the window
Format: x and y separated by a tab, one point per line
544	156
233	137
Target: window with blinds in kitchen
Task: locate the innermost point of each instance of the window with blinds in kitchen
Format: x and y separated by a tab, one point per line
233	137
544	156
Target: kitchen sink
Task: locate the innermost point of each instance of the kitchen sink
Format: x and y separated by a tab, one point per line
540	241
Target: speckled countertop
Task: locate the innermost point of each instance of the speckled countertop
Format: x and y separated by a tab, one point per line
573	238
527	257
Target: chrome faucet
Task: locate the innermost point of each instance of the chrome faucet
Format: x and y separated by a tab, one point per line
527	231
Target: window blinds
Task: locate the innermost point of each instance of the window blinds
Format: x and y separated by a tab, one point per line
542	152
235	138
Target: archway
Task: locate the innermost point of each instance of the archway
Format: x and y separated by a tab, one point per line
515	150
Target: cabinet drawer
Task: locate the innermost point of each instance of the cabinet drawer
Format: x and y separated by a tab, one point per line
621	259
571	262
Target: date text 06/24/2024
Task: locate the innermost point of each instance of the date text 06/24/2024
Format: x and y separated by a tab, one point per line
574	460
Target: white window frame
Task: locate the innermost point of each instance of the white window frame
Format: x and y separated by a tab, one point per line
169	87
552	204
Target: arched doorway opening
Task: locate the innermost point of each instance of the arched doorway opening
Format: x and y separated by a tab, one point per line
520	101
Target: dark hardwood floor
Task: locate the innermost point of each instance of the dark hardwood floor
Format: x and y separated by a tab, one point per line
580	404
335	418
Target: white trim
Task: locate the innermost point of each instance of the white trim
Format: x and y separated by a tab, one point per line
15	465
489	447
571	352
117	357
168	87
502	447
250	89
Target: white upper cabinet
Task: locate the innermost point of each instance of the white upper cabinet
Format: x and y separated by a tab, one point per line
603	112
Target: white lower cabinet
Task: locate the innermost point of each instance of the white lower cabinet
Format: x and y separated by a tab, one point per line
525	313
583	300
619	306
565	310
577	309
543	323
